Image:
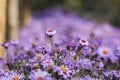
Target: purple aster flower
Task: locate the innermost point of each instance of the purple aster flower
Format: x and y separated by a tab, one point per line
86	50
105	52
65	71
71	45
14	76
3	77
106	73
39	75
117	53
116	74
50	32
85	63
39	49
2	63
39	57
70	62
5	44
32	63
47	63
67	58
101	65
83	42
72	53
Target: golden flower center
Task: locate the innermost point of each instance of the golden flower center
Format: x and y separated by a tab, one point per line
16	78
105	52
34	43
39	78
37	65
63	68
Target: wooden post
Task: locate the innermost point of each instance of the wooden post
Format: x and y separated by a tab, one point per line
24	11
2	23
13	18
18	14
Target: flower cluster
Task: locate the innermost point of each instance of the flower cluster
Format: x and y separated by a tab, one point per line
75	49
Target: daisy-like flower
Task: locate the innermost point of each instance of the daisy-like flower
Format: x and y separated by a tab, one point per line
39	75
105	52
65	71
15	76
47	63
83	42
39	56
50	32
71	45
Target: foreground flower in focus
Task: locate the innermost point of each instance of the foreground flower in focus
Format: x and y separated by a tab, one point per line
50	32
105	52
15	76
83	42
65	71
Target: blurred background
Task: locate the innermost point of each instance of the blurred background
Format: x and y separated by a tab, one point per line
101	10
16	13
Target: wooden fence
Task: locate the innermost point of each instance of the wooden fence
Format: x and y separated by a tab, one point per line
13	14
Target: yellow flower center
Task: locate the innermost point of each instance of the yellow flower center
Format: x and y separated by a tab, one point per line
34	43
16	78
63	68
37	65
105	52
39	78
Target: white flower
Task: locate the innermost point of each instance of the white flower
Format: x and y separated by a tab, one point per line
50	32
83	42
105	52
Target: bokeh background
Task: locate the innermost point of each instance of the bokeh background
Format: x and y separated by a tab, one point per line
101	10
